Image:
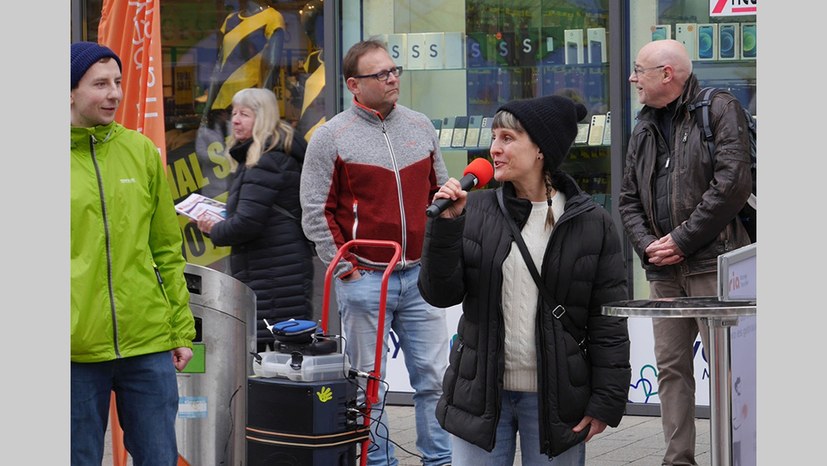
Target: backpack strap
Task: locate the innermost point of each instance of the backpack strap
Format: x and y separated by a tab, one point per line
700	109
702	103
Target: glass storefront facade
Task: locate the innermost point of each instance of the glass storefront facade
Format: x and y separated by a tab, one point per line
462	59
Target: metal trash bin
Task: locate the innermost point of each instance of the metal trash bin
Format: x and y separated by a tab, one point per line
212	390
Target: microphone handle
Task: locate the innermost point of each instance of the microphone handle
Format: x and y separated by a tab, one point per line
438	206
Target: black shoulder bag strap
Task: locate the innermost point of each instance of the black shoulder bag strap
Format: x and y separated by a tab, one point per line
557	310
287	213
284	211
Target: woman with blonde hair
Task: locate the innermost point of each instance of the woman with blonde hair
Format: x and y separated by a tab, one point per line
263	226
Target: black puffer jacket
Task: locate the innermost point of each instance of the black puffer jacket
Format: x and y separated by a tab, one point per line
583	267
269	251
705	196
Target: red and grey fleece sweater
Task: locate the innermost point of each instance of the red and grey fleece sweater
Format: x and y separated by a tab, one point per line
365	177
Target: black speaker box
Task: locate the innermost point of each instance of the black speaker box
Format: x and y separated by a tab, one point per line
302	423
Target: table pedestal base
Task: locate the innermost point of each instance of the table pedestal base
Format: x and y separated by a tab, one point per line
719	315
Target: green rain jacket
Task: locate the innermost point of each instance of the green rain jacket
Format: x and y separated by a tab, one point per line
129	296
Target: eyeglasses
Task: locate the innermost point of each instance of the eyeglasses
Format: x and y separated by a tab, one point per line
383	75
638	70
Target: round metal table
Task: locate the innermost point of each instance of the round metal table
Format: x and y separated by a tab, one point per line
719	315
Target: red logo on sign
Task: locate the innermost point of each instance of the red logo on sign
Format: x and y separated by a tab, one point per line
719	8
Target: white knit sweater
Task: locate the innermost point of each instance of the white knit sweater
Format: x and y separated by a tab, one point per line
519	298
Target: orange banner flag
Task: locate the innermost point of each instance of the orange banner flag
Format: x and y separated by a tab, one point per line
133	31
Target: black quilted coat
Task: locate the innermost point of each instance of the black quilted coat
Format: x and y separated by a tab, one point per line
583	267
269	251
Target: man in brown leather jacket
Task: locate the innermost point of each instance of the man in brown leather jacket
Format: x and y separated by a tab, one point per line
679	208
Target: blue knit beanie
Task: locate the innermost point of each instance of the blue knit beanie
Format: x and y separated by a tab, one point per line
86	54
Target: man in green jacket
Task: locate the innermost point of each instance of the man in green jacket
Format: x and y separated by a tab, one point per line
131	323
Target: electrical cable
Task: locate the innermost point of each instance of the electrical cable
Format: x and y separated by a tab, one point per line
378	420
352	375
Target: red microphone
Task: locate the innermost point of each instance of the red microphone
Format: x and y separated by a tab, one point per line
478	173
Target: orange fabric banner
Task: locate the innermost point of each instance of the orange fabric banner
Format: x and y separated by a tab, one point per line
133	31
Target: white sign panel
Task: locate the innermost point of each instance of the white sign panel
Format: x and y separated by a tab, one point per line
737	274
454	50
644	384
743	394
397	373
732	7
397	48
416	51
740	281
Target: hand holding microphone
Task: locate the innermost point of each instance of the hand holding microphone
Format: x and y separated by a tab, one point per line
478	173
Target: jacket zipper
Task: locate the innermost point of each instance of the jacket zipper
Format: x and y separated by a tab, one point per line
92	142
403	223
682	265
668	167
669	179
545	439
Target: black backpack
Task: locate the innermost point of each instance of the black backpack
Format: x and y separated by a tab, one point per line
749	213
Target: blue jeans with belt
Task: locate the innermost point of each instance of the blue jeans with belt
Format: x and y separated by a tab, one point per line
423	337
146	393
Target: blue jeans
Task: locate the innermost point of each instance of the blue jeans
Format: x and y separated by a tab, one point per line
423	337
519	412
146	392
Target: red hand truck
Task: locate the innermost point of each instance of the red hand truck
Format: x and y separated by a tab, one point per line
372	388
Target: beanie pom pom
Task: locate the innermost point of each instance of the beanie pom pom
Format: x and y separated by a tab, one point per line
551	123
581	111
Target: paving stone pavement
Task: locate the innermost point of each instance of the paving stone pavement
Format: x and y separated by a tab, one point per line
637	441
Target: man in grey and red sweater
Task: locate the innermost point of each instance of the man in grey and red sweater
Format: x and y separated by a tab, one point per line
370	173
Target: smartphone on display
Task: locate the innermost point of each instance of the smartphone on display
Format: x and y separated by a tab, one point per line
687	34
706	42
596	40
574	46
607	130
582	133
749	44
595	51
728	41
596	130
571	52
485	132
472	136
437	122
460	130
446	134
661	31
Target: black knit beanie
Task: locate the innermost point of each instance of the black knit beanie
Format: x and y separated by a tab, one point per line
551	122
86	54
